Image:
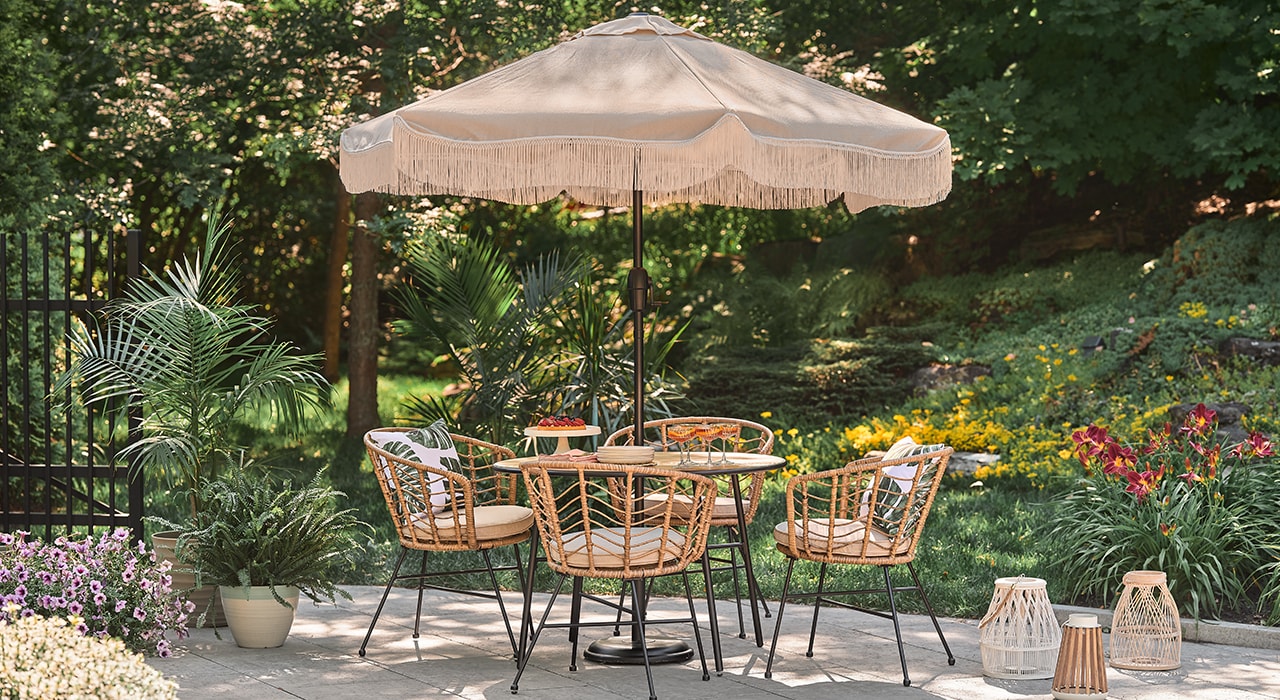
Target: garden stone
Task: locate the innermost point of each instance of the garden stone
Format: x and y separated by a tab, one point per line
1265	351
936	376
968	462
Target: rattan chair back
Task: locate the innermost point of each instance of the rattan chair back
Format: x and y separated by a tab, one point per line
863	513
406	484
621	522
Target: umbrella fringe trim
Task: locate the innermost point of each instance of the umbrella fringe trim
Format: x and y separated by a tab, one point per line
726	166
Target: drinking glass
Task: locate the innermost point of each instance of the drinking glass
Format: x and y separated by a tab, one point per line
681	434
727	432
706	433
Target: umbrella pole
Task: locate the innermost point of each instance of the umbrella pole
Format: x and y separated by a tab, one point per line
637	648
638	287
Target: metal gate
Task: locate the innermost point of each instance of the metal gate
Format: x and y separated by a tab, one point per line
59	471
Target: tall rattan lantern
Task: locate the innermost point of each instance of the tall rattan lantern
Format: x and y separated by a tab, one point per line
1082	672
1146	632
1019	635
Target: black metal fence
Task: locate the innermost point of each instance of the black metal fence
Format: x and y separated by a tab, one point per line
59	470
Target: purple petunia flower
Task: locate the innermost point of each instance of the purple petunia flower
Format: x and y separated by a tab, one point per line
99	598
140	614
95	586
121	605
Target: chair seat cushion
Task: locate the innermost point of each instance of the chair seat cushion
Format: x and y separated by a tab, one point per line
846	538
682	507
492	523
609	548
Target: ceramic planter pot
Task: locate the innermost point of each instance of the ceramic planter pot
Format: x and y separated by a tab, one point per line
257	620
165	544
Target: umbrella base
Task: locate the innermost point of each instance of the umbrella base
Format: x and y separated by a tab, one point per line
620	650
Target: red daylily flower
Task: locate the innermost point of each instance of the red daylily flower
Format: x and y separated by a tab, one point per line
1191	476
1118	460
1142	483
1257	445
1090	442
1201	421
1167	529
1159	441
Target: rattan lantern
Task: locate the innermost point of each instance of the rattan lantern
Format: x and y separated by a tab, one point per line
1081	672
1019	635
1146	632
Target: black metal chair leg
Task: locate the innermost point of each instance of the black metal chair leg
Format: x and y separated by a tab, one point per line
422	587
711	613
817	605
533	638
644	643
951	659
693	619
897	628
575	616
737	588
497	594
385	592
777	625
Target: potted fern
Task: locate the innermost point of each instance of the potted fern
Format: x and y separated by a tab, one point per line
263	543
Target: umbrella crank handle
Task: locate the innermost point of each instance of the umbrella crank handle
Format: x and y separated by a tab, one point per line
640	288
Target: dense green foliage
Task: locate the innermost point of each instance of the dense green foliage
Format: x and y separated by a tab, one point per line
180	348
1186	503
253	532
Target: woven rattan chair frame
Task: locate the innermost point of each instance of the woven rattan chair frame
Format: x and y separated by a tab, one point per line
826	509
602	521
404	483
753	437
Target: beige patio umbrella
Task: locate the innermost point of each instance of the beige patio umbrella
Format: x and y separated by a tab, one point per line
642	111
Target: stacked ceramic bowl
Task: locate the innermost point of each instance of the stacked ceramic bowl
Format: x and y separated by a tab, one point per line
625	454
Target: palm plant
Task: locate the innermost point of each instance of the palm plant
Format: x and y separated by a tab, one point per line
542	341
178	347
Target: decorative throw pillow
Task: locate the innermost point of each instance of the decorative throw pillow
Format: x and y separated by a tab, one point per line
897	484
431	446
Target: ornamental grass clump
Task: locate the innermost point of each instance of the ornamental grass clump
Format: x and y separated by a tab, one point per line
43	658
105	586
1185	503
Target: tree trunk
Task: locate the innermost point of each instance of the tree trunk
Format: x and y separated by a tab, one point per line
338	247
362	335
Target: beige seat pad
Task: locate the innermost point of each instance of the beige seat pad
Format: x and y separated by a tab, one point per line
682	507
605	547
492	522
846	538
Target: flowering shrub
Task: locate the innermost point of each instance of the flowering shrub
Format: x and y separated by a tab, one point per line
105	587
48	658
1199	510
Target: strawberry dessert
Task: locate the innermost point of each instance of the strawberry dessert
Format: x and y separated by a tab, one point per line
561	423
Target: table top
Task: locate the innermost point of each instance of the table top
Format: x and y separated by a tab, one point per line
739	463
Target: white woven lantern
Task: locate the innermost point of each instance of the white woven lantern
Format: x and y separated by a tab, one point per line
1019	635
1146	632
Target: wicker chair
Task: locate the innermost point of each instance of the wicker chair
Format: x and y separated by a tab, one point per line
482	515
868	513
752	437
589	530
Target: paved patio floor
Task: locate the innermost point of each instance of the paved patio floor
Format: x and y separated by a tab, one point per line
463	653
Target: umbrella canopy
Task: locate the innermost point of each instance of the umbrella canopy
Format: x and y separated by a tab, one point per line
642	104
642	111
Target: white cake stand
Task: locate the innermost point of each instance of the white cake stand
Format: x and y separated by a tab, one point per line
562	436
